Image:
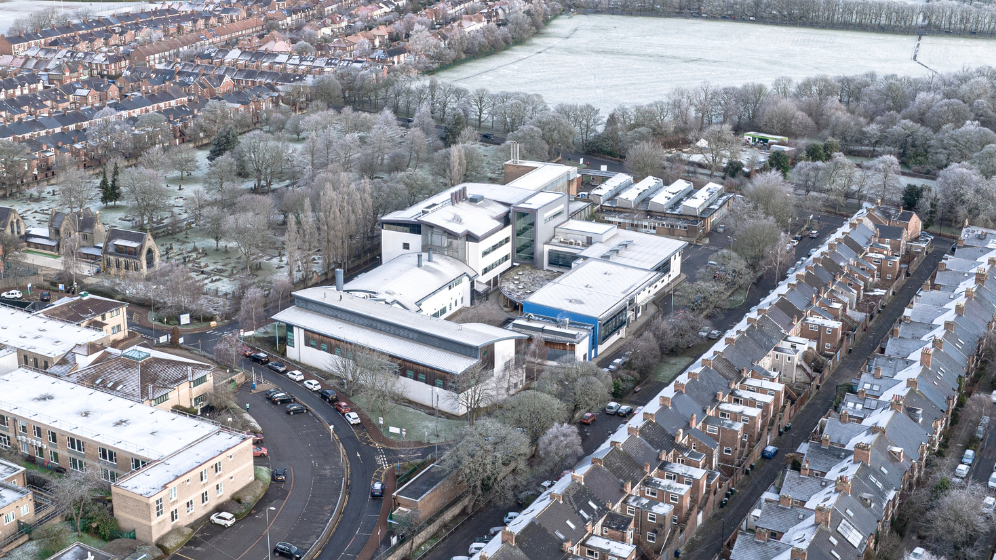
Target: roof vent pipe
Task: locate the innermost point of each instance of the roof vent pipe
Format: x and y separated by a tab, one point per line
338	279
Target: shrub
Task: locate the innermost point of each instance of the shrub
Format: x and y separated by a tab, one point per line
173	540
52	538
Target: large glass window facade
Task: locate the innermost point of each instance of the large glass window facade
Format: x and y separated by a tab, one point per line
612	325
562	259
525	236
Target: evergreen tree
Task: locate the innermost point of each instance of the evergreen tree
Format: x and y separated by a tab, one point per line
778	161
114	191
105	189
225	140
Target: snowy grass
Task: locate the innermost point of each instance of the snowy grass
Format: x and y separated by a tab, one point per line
610	60
671	367
14	9
415	422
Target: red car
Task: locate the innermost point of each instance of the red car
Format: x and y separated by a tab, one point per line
259	452
257	438
589	417
341	407
246	351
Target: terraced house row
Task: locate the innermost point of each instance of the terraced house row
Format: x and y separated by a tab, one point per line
650	485
861	457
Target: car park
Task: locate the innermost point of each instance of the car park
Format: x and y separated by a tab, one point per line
295	408
223	518
377	490
312	385
612	408
278	367
961	472
282	398
589	417
260	358
12	294
295	375
288	550
279	475
510	516
968	458
258	451
328	395
342	407
625	411
352	418
769	452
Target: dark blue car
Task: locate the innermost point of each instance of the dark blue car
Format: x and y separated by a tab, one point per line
769	452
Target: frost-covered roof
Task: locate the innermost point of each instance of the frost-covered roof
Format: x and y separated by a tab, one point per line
42	335
155	477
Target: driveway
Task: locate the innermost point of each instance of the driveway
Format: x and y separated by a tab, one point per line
303	504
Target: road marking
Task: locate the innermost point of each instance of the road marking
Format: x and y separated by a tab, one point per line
183	556
275	516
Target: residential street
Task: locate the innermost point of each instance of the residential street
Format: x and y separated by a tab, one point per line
706	543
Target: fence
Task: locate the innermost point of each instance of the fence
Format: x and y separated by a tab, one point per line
433	524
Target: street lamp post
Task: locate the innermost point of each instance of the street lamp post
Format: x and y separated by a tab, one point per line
269	551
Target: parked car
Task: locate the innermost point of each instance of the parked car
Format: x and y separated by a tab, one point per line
704	332
223	518
312	385
714	335
278	367
377	490
258	451
961	471
992	480
720	228
545	485
625	411
295	408
341	407
45	296
790	271
12	294
260	358
495	530
269	394
813	234
257	438
460	558
769	452
612	408
968	458
475	548
328	395
510	516
288	550
295	375
918	552
589	417
282	398
247	352
352	418
488	136
279	475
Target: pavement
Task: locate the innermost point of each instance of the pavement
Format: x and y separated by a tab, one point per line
707	541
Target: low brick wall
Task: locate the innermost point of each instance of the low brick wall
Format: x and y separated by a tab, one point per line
437	523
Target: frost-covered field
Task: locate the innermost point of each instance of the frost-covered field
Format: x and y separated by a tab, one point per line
9	11
609	60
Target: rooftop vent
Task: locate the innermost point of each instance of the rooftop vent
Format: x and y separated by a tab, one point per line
475	198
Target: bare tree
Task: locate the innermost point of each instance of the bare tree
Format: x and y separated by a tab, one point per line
884	176
184	159
676	331
146	194
181	291
474	390
70	249
406	526
250	232
488	459
280	291
13	156
228	350
76	490
11	251
645	159
718	145
77	190
222	179
954	524
560	445
771	194
779	256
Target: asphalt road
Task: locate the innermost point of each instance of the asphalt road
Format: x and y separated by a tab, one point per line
708	538
301	511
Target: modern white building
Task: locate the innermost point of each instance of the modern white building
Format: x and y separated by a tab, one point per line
42	341
610	188
430	353
663	200
695	204
434	285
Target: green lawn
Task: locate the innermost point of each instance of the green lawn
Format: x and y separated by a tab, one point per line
671	367
40	254
418	425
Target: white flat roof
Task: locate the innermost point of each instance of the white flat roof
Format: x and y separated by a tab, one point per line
640	250
503	194
42	335
542	176
114	421
541	199
401	279
592	288
585	226
156	477
465	217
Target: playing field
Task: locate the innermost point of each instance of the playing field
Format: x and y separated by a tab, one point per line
9	11
608	60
